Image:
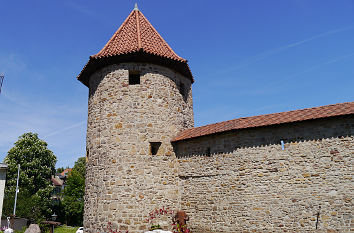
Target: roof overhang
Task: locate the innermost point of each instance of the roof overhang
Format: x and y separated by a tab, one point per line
95	64
3	166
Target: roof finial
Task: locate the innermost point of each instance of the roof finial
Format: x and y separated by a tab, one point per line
136	7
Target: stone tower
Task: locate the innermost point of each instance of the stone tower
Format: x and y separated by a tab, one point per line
140	97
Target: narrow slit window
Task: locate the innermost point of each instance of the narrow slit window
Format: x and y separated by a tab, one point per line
207	152
134	77
154	147
87	154
182	89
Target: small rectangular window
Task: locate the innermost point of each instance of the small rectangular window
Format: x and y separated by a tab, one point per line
154	147
134	77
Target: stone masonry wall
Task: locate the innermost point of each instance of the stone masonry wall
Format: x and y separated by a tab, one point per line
249	184
124	182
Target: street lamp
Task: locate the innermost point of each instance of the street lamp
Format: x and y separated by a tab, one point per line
54	217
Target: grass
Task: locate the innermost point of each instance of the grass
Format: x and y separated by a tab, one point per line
23	230
65	229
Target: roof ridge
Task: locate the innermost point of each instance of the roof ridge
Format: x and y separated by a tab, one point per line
184	60
138	29
114	35
296	110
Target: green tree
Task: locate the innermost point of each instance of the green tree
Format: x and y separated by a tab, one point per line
37	166
73	199
60	169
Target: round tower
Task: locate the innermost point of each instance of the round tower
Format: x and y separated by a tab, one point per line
140	97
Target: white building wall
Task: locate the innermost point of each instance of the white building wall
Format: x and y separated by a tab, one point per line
2	186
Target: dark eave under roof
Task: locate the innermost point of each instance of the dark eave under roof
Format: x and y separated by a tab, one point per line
95	64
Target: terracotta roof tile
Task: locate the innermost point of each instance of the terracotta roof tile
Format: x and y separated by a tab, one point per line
135	39
269	119
56	181
66	171
137	34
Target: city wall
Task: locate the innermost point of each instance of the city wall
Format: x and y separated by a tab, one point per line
242	181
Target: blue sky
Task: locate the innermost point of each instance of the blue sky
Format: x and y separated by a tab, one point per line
248	58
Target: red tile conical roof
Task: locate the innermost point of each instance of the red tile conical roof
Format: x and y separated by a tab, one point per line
138	41
137	34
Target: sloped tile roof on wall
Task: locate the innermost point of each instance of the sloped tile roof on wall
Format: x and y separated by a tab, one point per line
56	181
268	119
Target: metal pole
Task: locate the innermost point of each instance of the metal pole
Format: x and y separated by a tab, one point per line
1	80
17	190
